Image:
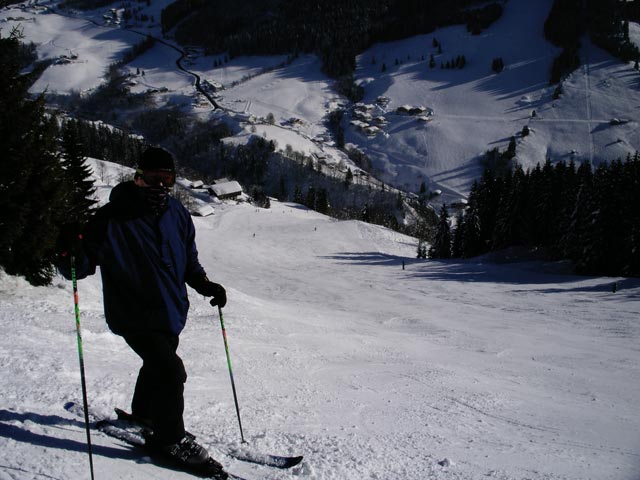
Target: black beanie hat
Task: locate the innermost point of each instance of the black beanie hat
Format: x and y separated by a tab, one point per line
156	158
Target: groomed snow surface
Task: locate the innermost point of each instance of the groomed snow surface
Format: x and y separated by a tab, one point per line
441	370
450	370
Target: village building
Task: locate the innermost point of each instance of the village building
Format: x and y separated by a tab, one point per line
225	189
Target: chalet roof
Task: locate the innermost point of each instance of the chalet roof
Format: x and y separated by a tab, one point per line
203	210
226	189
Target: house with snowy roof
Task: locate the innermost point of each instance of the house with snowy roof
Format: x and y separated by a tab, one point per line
228	189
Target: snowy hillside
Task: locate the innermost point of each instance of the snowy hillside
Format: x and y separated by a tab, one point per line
474	109
345	348
440	370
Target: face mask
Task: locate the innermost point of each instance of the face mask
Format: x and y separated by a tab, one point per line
156	198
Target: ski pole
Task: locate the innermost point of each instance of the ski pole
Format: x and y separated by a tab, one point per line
233	385
81	359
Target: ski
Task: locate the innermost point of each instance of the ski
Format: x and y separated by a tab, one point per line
244	453
132	435
270	460
211	469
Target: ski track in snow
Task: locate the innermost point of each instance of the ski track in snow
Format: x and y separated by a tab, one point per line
511	371
443	370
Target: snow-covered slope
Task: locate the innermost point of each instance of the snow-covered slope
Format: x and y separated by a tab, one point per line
370	370
474	109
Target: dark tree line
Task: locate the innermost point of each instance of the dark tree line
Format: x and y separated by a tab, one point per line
631	10
585	215
609	28
257	166
497	64
104	142
137	50
176	11
459	62
606	22
85	4
564	27
296	178
336	30
45	183
128	12
43	180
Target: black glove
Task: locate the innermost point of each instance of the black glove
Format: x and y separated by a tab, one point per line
69	241
206	287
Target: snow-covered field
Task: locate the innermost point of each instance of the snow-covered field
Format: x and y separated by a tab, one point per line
475	109
372	371
441	370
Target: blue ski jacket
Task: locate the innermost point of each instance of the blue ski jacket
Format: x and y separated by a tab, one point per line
145	261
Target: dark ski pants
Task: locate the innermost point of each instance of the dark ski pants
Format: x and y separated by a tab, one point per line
159	392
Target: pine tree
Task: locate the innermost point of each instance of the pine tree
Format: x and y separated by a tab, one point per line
422	249
310	199
589	217
616	219
457	243
441	247
283	192
486	200
348	178
503	234
365	214
632	237
80	199
545	205
565	187
511	149
471	233
322	201
577	239
33	193
596	236
512	217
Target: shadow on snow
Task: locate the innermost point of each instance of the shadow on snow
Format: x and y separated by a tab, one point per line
481	271
21	433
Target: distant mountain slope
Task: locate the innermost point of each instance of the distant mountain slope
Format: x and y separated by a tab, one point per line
335	30
477	109
474	109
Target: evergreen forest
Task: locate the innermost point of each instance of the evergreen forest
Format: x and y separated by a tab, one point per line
565	211
336	30
589	216
605	21
43	181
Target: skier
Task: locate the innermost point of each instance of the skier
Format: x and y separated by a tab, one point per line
144	242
